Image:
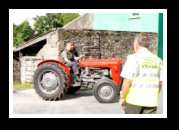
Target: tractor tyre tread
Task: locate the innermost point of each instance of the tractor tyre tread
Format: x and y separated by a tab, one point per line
99	84
57	95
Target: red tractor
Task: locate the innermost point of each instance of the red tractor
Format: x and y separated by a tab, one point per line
53	79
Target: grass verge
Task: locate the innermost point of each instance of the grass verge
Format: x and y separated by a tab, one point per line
19	86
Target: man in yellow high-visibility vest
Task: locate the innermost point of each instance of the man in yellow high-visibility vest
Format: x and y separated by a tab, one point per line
142	75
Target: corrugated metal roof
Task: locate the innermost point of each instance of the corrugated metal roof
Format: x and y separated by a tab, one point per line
32	41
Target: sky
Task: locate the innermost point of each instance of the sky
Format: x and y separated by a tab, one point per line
19	15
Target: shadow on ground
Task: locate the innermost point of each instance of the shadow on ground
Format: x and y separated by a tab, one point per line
83	93
78	94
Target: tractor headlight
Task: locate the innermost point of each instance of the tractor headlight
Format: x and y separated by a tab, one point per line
105	72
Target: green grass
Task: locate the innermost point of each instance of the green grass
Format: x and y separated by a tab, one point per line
18	86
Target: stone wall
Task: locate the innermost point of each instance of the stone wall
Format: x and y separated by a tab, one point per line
105	44
94	43
87	42
120	44
28	66
16	70
50	49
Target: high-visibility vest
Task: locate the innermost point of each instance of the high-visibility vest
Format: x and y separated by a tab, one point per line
144	90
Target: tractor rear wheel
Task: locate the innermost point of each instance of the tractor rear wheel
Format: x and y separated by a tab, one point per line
105	91
49	82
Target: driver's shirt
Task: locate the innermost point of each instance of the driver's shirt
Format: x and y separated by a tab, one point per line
69	56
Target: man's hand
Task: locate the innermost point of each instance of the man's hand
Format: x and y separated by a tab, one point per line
78	58
122	102
122	105
125	88
81	56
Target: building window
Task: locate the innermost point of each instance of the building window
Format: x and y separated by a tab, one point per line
134	16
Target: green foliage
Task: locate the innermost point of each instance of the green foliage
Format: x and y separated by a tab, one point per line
21	33
67	17
52	20
55	20
45	23
42	24
18	86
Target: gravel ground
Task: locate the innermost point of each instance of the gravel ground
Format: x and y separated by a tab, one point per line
83	102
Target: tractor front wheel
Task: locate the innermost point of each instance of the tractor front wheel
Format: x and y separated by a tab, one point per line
105	91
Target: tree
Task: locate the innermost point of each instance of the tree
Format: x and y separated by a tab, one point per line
21	33
55	20
52	20
42	24
45	23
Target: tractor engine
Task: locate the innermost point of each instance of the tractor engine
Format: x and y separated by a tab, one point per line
89	75
93	69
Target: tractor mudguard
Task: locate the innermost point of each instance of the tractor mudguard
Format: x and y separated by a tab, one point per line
64	67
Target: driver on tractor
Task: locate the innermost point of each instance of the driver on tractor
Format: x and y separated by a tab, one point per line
70	57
